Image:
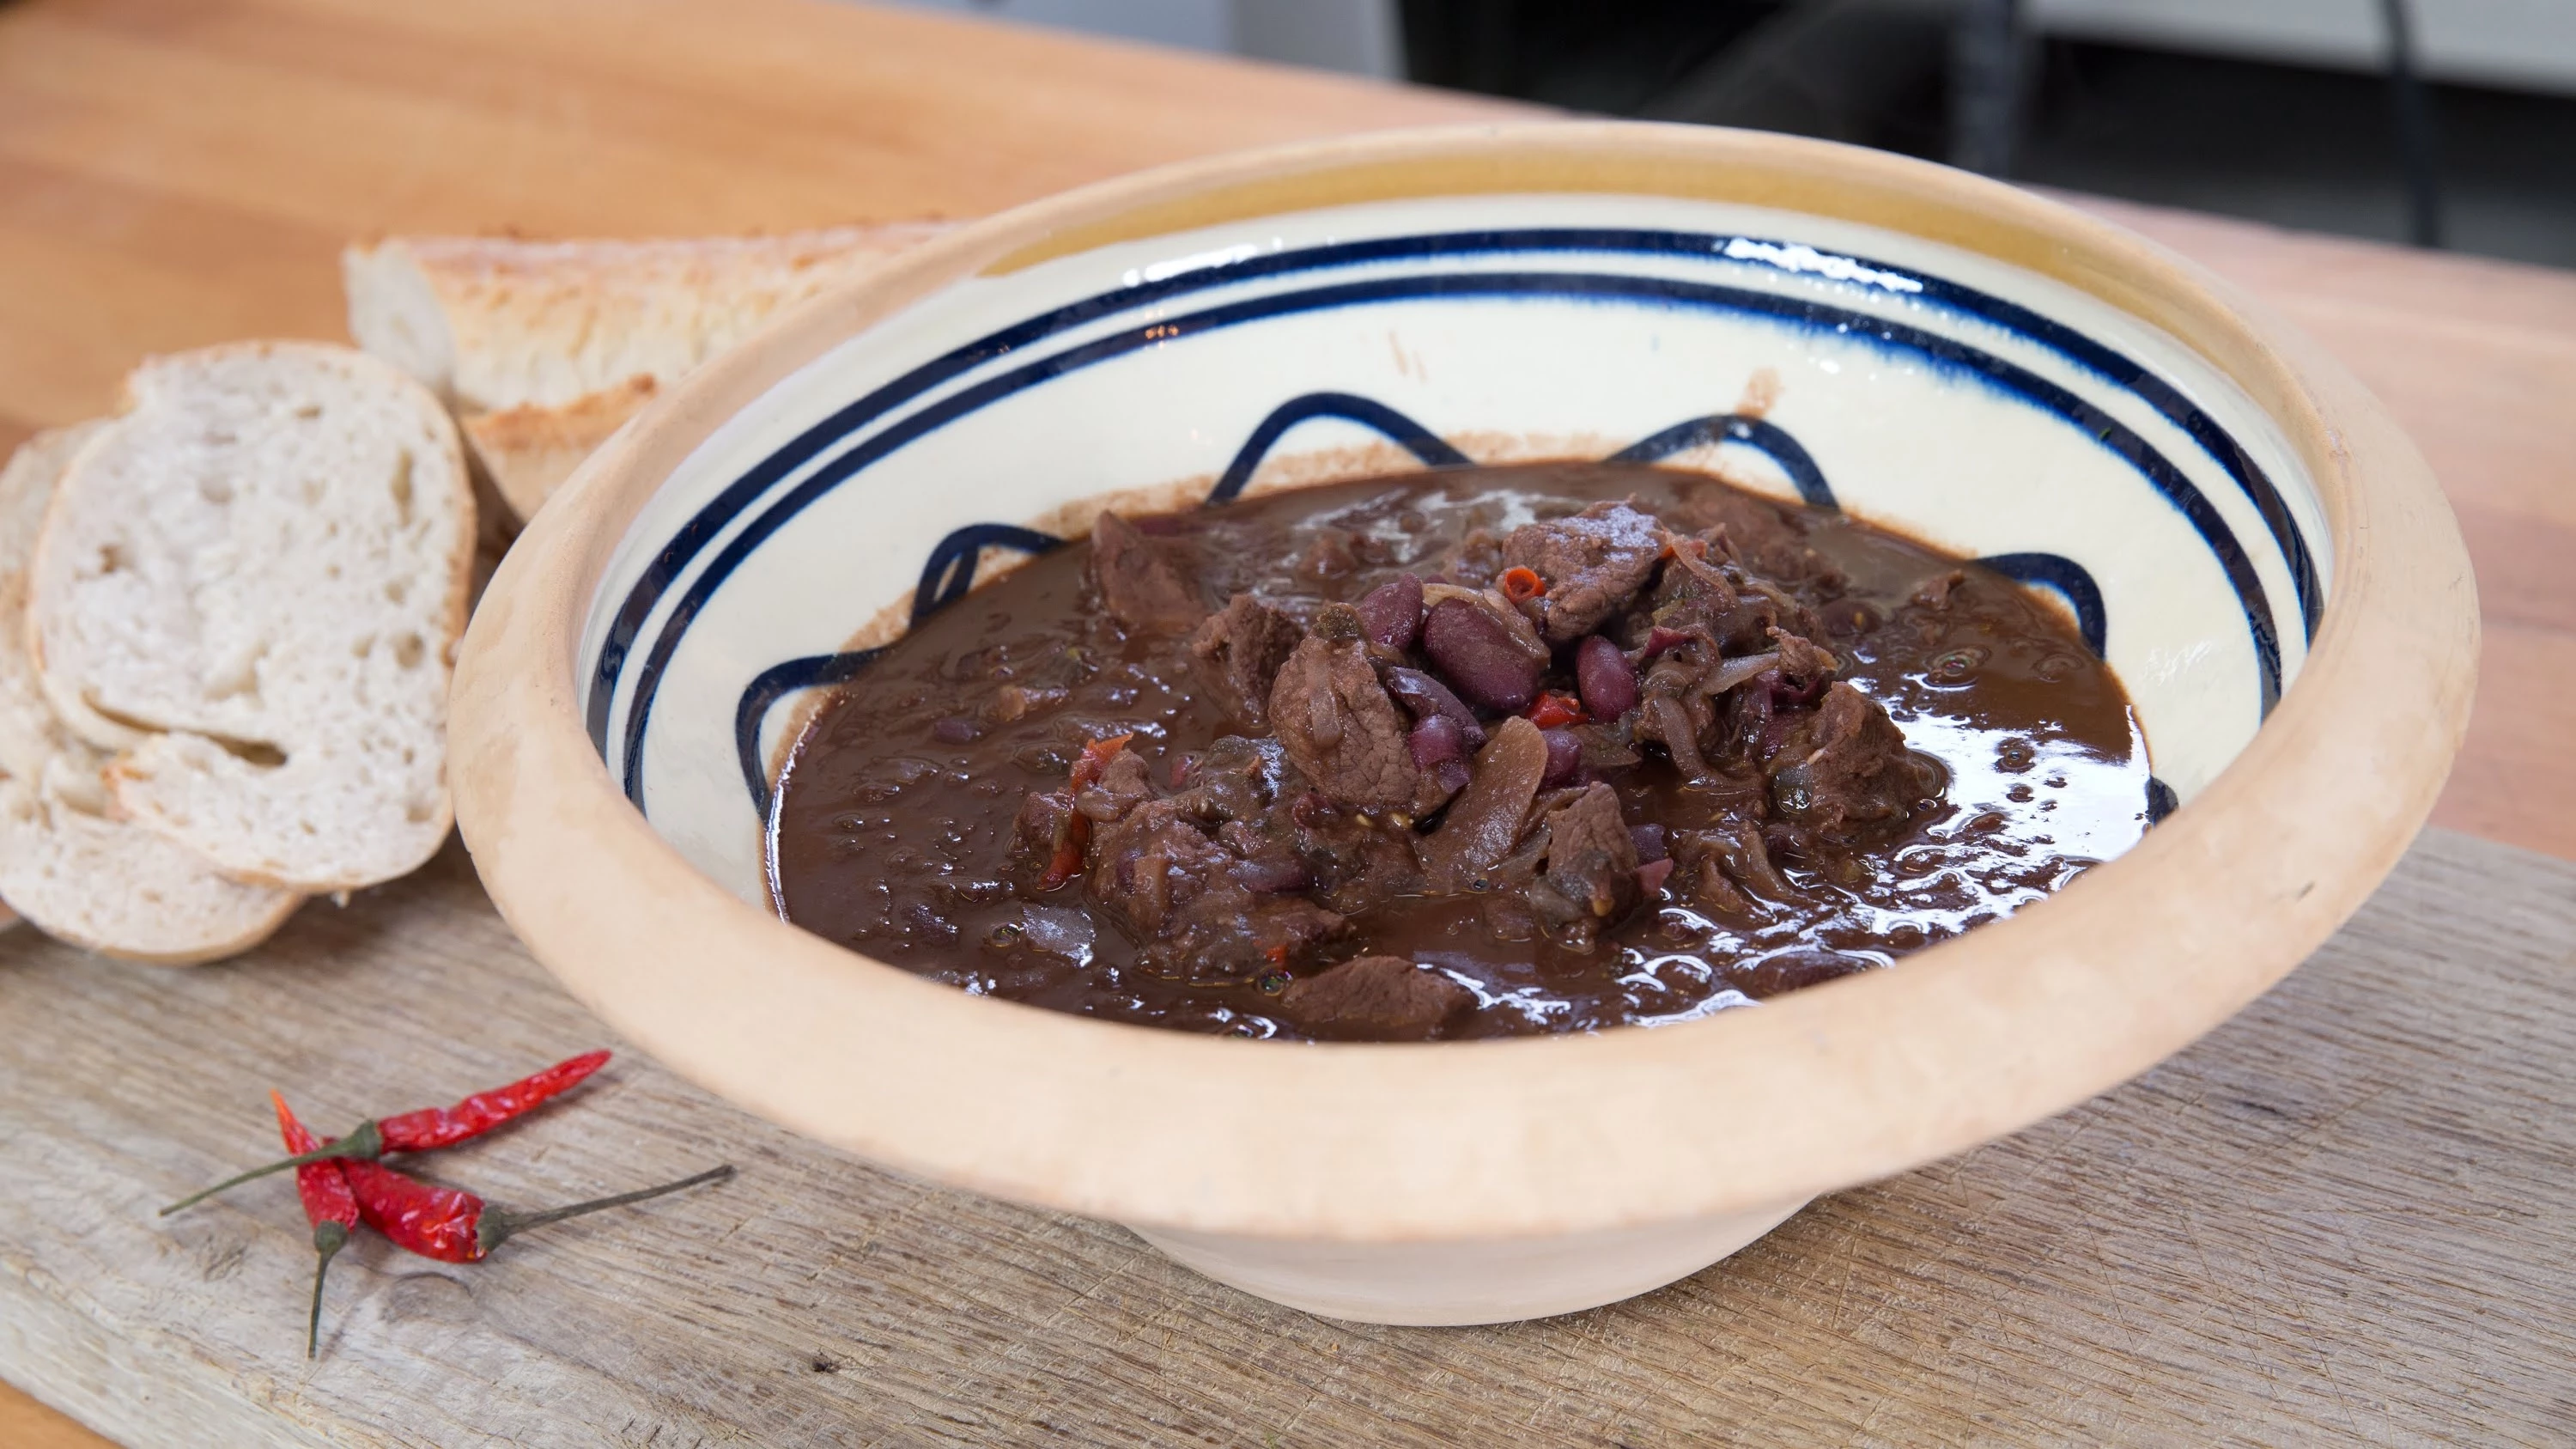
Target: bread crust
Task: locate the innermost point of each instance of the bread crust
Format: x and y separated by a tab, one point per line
544	348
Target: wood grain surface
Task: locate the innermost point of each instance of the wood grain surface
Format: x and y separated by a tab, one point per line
2341	1218
2348	1216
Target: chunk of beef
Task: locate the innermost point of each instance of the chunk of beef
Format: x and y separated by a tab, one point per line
1804	664
1765	537
1236	779
1238	652
1123	783
1045	828
1485	822
1591	876
1846	768
1339	728
1175	892
1934	593
1375	998
1593	564
1141	584
1356	861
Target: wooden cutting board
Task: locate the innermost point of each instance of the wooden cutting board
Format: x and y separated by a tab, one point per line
2349	1215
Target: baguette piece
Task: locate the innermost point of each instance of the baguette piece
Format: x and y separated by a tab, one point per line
544	348
252	583
68	867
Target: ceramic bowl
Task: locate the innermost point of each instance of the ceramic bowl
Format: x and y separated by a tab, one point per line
2229	518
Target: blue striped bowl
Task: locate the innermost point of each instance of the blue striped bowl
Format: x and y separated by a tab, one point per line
1964	363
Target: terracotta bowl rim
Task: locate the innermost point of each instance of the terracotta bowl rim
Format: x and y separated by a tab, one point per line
1828	1087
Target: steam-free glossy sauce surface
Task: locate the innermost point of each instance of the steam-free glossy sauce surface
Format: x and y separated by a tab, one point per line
928	816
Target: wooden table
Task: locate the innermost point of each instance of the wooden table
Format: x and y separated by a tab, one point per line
174	172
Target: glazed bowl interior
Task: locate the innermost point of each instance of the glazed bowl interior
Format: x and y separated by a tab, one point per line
1917	385
2230	521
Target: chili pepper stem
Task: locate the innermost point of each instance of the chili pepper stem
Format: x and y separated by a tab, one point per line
365	1142
328	1239
499	1224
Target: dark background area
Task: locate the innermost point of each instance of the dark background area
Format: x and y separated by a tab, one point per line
2492	171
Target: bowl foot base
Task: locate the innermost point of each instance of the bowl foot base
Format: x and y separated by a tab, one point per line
1452	1284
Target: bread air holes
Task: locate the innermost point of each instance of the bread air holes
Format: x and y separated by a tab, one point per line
113	559
258	754
402	487
408	651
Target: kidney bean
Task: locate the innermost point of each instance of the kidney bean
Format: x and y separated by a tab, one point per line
1564	758
1435	741
1650	842
1605	677
1392	612
1478	658
1426	696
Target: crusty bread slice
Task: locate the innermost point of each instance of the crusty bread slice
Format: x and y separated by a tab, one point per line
528	451
64	864
559	342
116	888
252	583
30	735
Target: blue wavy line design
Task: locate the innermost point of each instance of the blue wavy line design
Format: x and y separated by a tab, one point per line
2071	581
949	573
1769	438
1404	432
701	530
770	686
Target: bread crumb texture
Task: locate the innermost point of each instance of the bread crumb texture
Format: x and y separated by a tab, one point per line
65	864
251	585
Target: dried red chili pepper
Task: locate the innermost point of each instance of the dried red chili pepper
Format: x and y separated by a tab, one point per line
1556	711
1520	585
1066	863
329	1205
455	1226
430	1128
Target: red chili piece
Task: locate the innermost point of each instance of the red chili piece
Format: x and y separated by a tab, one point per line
329	1205
434	1127
1556	711
1066	863
430	1127
454	1226
1520	585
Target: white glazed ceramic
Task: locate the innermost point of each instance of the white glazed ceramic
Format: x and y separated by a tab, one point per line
1965	363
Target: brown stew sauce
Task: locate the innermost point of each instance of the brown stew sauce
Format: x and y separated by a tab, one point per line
1833	746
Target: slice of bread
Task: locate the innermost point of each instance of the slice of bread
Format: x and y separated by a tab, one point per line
252	583
64	864
544	348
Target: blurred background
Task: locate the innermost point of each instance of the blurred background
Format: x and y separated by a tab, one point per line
2445	123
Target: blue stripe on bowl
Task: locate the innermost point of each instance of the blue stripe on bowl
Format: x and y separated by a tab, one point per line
699	532
1959	357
